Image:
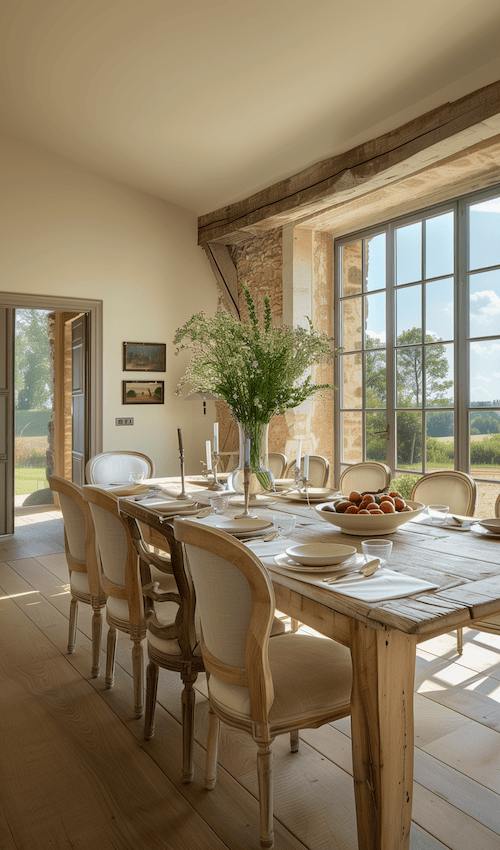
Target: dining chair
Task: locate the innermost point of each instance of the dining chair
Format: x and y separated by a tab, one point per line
109	468
319	470
81	557
455	489
366	476
122	586
497	506
172	639
448	487
264	687
277	464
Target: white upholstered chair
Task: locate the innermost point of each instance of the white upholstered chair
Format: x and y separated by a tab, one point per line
447	487
455	489
277	464
83	566
319	470
370	475
265	687
122	586
109	468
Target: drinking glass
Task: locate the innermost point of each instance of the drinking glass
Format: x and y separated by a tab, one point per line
377	548
284	524
136	477
438	514
219	504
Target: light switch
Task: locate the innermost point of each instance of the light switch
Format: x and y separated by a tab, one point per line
129	421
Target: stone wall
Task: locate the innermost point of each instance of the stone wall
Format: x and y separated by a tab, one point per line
259	265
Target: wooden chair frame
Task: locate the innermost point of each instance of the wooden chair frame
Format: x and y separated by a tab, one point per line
370	466
96	597
183	629
314	460
130	591
94	462
255	675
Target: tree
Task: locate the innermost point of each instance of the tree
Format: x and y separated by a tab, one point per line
32	362
409	393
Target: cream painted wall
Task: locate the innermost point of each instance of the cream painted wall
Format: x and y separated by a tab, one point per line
68	232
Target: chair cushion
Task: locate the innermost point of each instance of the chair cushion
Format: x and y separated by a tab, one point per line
310	675
165	614
79	582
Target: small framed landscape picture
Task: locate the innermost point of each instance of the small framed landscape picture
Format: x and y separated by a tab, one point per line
143	392
144	356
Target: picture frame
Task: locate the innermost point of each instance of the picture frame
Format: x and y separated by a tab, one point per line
144	356
143	392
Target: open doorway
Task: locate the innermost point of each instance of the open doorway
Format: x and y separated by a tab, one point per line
56	422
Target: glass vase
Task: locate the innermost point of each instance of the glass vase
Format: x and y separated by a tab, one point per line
261	478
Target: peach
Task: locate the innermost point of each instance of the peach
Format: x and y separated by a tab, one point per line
352	509
387	507
399	503
355	496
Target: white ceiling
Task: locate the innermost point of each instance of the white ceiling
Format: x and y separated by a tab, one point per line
204	102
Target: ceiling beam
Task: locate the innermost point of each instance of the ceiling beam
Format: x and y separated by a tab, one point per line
326	182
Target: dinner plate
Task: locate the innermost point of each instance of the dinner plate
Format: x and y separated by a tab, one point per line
491	525
284	560
320	554
244	525
179	510
314	494
478	529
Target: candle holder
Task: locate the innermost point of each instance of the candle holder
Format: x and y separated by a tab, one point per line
182	494
215	485
246	489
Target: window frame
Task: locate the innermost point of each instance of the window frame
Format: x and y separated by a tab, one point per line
461	341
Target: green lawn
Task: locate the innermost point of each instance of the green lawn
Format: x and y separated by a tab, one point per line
28	480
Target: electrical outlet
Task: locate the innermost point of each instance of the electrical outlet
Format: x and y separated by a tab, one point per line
129	421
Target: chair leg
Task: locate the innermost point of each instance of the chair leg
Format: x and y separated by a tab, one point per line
294	624
73	617
188	702
460	641
265	776
110	658
294	741
151	691
138	673
212	750
96	641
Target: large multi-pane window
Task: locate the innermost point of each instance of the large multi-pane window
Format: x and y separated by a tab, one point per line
418	321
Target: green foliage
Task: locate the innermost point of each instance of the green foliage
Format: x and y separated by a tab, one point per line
486	452
131	394
485	423
32	364
30	452
404	484
33	423
258	370
29	480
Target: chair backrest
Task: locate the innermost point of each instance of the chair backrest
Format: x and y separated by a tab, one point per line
448	487
497	506
183	629
370	475
115	467
119	562
236	623
79	533
319	470
277	464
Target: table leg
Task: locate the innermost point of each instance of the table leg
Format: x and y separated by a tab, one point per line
382	735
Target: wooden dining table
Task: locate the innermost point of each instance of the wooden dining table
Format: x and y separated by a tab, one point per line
383	638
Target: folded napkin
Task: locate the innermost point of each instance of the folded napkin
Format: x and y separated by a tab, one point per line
384	584
132	490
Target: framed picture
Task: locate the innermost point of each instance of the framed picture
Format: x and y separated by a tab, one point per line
144	356
143	392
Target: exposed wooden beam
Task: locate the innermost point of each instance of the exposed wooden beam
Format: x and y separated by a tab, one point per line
321	184
225	274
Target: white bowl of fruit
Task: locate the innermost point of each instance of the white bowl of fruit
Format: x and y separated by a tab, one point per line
369	513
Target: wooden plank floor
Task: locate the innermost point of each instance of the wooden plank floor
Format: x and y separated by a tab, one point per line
75	773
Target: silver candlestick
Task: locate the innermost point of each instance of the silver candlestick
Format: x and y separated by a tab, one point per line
216	485
246	489
182	494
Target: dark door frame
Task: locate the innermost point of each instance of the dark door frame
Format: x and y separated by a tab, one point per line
94	309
